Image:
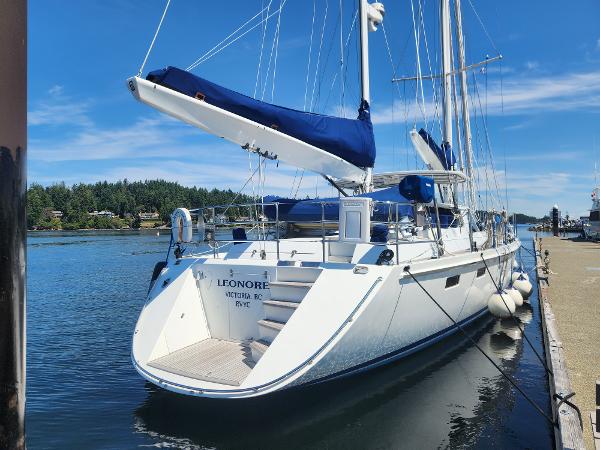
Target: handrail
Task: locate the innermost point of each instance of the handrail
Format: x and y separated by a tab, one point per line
307	361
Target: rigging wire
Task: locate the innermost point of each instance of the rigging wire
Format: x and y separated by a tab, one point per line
154	38
341	59
419	81
312	30
276	53
488	144
324	70
262	45
484	28
319	57
274	48
436	96
222	45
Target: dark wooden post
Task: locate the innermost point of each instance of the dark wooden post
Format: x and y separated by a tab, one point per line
13	225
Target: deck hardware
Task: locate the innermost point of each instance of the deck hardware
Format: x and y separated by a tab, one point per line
293	253
166	282
182	314
385	257
263	254
360	269
231	273
253	253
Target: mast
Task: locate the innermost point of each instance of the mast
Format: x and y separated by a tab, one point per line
370	17
364	75
364	51
464	95
446	73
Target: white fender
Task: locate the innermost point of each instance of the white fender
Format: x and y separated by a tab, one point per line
515	295
523	286
498	304
182	227
515	275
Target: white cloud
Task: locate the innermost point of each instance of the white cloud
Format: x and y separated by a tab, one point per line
532	65
155	136
58	109
518	96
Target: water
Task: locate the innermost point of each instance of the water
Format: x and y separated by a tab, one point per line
85	291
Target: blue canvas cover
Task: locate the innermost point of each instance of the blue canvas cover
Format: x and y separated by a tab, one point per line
350	139
418	188
444	154
309	210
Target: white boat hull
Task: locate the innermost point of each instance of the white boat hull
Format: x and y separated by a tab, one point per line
346	322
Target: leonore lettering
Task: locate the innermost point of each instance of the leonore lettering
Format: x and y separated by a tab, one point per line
248	284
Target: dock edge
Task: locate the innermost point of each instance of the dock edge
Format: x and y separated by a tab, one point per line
569	433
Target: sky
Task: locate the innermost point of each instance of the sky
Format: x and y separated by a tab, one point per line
535	114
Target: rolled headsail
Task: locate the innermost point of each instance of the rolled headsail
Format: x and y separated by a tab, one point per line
435	157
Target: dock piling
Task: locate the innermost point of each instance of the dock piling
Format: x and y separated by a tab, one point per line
13	229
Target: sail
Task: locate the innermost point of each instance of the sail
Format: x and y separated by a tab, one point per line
350	139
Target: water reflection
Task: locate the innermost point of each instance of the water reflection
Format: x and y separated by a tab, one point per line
435	398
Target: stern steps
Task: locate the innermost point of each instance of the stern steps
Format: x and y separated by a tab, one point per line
287	292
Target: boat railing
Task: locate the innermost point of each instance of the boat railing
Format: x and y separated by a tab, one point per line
214	220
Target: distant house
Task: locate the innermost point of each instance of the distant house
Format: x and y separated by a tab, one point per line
149	216
103	213
56	214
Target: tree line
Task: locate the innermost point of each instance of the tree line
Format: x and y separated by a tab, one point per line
123	198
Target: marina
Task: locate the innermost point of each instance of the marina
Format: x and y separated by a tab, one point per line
328	230
448	396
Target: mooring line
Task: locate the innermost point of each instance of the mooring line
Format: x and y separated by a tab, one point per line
509	379
516	319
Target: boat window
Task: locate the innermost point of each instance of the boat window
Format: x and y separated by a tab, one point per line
480	272
452	281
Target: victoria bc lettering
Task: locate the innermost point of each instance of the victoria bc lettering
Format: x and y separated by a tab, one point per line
243	284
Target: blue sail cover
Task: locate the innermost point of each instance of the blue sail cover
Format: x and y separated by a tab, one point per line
444	154
350	139
294	210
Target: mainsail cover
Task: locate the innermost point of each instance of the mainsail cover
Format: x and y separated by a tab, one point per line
349	139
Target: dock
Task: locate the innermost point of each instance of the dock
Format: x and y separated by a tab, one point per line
569	290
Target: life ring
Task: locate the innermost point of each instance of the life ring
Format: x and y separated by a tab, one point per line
182	227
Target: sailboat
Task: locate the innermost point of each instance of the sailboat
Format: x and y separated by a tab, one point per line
592	228
397	264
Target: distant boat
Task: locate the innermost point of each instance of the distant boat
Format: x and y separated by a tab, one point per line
592	229
259	313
